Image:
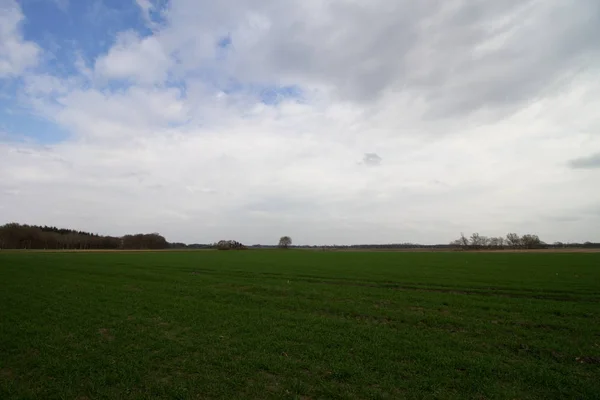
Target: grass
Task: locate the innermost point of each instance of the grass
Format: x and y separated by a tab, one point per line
299	325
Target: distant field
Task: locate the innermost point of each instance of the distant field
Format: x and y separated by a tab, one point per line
299	325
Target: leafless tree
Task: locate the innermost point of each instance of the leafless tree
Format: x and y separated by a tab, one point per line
513	240
477	241
530	241
464	241
496	242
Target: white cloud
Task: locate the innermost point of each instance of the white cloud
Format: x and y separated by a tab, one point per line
142	60
268	172
476	108
135	112
455	57
16	54
146	7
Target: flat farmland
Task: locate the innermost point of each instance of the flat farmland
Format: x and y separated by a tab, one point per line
299	325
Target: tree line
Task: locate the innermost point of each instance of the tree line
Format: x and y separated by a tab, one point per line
21	236
512	241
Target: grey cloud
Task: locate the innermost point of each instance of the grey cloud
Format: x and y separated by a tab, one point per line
454	56
581	214
11	191
458	57
280	204
203	190
371	159
526	63
563	218
589	162
40	152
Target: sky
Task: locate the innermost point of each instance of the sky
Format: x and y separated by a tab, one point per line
333	122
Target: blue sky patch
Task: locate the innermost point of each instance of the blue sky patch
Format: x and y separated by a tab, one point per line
273	95
268	94
224	42
73	32
20	125
86	27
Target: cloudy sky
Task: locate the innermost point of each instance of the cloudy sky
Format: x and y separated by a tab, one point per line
339	121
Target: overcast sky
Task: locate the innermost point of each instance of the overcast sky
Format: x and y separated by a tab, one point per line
338	122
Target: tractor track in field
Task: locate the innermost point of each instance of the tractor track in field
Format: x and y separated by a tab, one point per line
491	291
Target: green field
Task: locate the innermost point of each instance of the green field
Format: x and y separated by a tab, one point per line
299	324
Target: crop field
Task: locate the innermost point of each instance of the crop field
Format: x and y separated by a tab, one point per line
299	325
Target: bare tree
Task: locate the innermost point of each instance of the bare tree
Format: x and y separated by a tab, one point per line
513	240
477	241
500	242
464	241
456	244
530	241
485	242
497	242
285	242
493	242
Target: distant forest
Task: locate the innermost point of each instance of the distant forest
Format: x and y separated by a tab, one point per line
19	236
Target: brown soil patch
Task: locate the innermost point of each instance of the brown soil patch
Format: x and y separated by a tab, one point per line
105	334
132	288
588	360
6	373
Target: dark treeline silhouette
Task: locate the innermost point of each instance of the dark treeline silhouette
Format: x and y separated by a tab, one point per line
511	241
17	236
474	242
193	246
229	245
148	241
584	245
384	246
